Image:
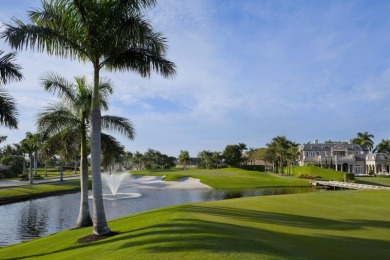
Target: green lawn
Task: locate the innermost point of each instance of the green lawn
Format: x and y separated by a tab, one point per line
382	181
228	178
319	225
26	192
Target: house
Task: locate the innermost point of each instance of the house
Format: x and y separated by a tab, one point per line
346	157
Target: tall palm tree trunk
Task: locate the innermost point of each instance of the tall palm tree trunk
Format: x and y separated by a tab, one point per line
31	171
84	219
24	165
36	163
45	169
62	172
100	226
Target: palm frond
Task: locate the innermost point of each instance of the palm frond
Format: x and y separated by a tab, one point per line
56	84
8	112
53	41
141	61
55	119
118	124
9	70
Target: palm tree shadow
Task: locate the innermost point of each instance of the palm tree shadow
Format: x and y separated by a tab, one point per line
208	235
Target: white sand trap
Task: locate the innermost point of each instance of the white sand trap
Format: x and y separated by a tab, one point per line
156	182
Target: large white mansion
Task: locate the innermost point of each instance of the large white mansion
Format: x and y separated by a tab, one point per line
346	157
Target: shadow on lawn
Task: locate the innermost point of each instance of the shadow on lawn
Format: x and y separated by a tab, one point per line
285	219
213	234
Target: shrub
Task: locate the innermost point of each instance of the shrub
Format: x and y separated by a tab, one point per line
258	168
306	176
23	177
349	177
325	174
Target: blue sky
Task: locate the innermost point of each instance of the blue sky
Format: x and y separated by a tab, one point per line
248	70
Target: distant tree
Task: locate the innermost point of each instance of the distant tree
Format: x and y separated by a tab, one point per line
2	138
184	157
242	147
232	155
138	160
167	162
29	145
205	159
277	151
364	139
292	154
216	158
127	159
383	147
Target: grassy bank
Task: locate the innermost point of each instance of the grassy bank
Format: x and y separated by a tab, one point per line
25	192
320	225
381	181
227	178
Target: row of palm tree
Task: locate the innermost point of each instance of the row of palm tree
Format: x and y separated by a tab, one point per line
113	35
281	151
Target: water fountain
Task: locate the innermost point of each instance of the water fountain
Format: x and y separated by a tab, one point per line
113	182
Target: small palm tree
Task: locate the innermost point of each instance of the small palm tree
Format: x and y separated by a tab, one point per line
278	150
184	157
29	145
112	151
71	116
364	139
8	71
383	147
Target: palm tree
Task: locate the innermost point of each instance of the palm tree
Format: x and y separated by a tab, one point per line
71	115
184	157
383	147
364	139
112	151
110	34
8	71
2	138
278	150
29	145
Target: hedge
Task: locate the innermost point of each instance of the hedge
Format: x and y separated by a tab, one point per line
316	172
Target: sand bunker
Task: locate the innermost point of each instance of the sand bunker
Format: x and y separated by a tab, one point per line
156	182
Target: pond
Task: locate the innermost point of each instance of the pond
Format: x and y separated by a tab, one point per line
27	220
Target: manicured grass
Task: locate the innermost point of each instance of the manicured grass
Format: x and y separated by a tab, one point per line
319	225
25	192
382	181
227	178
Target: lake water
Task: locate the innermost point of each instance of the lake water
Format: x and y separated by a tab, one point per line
27	220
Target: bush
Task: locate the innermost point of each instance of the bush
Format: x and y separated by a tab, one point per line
14	163
23	177
258	168
306	176
349	177
325	174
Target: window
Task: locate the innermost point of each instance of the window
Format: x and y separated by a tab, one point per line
357	169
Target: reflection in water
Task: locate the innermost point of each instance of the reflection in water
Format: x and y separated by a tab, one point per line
30	219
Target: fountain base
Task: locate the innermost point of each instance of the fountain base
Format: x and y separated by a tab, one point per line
120	196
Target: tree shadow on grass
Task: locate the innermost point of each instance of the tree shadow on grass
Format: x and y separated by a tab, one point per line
184	235
285	219
212	234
